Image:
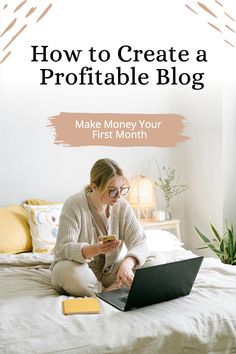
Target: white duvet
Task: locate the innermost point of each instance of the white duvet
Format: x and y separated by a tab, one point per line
31	318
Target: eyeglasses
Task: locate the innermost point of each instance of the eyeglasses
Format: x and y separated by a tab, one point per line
113	192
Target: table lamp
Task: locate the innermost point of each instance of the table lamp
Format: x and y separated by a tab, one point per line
142	197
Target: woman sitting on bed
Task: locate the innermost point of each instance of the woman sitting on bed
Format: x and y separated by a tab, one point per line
83	264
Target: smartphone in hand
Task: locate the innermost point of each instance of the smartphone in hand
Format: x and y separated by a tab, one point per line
107	238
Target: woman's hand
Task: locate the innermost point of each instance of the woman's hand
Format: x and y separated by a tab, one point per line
106	247
125	274
90	251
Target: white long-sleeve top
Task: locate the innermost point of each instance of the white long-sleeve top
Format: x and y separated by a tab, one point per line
76	230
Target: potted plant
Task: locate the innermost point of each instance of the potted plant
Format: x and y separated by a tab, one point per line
224	246
168	182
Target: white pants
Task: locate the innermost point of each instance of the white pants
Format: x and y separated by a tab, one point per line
78	279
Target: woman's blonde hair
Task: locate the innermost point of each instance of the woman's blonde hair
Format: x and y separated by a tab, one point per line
103	171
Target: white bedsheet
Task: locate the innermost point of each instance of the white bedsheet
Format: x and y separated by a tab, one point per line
31	318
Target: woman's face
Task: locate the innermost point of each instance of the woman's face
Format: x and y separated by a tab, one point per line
112	193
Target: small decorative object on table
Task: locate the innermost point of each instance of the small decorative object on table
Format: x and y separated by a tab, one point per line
169	184
223	246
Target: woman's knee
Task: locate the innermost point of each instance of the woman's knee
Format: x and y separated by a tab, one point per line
76	279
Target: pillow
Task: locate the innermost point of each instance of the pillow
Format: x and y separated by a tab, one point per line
38	202
14	230
44	222
160	240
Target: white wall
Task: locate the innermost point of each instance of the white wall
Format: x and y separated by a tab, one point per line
32	166
229	144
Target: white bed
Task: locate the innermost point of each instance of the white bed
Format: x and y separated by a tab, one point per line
31	318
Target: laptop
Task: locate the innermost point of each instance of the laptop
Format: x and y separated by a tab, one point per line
155	284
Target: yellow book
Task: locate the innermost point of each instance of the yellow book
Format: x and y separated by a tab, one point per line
82	305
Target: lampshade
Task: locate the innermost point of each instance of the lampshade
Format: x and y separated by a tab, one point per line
141	196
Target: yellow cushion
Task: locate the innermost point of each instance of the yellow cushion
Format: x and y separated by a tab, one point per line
14	230
38	202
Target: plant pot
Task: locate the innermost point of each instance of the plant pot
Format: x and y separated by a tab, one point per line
168	213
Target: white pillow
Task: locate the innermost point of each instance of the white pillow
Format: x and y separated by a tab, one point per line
160	240
43	221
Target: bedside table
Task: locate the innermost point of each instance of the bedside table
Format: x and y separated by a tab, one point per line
172	224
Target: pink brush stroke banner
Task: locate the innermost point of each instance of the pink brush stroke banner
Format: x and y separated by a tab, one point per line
112	129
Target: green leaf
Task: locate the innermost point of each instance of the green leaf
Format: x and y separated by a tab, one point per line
222	245
235	249
230	243
202	236
209	243
231	237
215	232
228	226
215	250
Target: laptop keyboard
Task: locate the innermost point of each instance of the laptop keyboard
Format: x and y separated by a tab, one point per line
123	299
